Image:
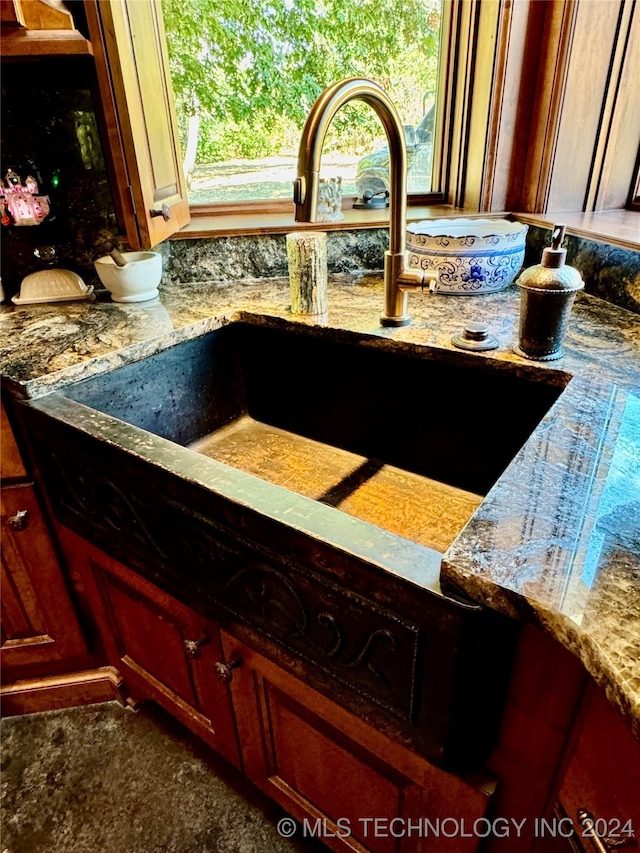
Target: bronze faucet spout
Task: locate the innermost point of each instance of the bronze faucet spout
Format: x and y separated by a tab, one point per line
397	278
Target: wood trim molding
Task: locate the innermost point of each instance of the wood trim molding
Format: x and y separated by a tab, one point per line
510	110
616	114
61	691
461	57
286	206
614	227
610	119
479	38
585	123
557	36
41	15
496	105
32	43
107	116
282	223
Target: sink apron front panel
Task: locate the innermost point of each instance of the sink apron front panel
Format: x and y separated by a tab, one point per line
348	607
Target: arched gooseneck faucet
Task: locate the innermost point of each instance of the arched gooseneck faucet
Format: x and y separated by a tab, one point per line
397	278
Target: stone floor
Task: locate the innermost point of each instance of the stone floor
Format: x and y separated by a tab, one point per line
101	778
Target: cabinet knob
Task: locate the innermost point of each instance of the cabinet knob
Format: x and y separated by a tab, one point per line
192	647
19	521
599	840
164	212
224	671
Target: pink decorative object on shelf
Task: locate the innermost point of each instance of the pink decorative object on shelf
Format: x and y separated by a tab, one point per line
20	204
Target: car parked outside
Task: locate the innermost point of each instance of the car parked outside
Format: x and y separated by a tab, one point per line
373	169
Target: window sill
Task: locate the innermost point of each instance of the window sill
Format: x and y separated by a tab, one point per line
283	223
616	227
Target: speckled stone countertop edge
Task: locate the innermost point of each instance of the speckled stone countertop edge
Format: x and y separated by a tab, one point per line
32	389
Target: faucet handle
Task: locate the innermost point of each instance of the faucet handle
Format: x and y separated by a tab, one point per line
417	279
432	277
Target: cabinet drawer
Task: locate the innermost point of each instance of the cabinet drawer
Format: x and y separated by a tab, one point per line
39	623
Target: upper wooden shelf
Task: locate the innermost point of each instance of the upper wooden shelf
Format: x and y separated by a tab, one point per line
40	28
24	43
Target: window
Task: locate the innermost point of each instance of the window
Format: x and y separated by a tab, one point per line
528	117
246	74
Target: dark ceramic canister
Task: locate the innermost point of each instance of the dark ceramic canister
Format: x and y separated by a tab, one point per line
547	292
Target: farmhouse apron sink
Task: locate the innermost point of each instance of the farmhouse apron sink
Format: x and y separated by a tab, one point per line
408	444
300	486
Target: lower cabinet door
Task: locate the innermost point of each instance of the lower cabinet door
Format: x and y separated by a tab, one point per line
39	623
164	651
600	792
343	781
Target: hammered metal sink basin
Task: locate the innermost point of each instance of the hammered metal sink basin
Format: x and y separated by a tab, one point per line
406	443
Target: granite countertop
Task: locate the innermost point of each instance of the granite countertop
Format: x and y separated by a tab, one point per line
556	541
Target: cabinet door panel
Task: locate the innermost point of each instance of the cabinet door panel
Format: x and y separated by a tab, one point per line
136	620
311	760
603	775
331	768
137	96
163	649
39	624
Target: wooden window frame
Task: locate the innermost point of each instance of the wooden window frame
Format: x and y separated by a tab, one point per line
634	194
462	126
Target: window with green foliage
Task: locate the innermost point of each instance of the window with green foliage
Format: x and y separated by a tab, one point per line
246	72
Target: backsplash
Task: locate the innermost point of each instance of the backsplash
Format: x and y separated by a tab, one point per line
610	272
265	256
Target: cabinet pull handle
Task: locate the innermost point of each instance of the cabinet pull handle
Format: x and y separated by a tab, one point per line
19	521
224	671
602	844
164	212
192	647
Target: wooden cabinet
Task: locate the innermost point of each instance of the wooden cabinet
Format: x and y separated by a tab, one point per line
333	771
602	780
46	660
40	28
11	465
342	779
136	110
345	782
164	651
39	624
